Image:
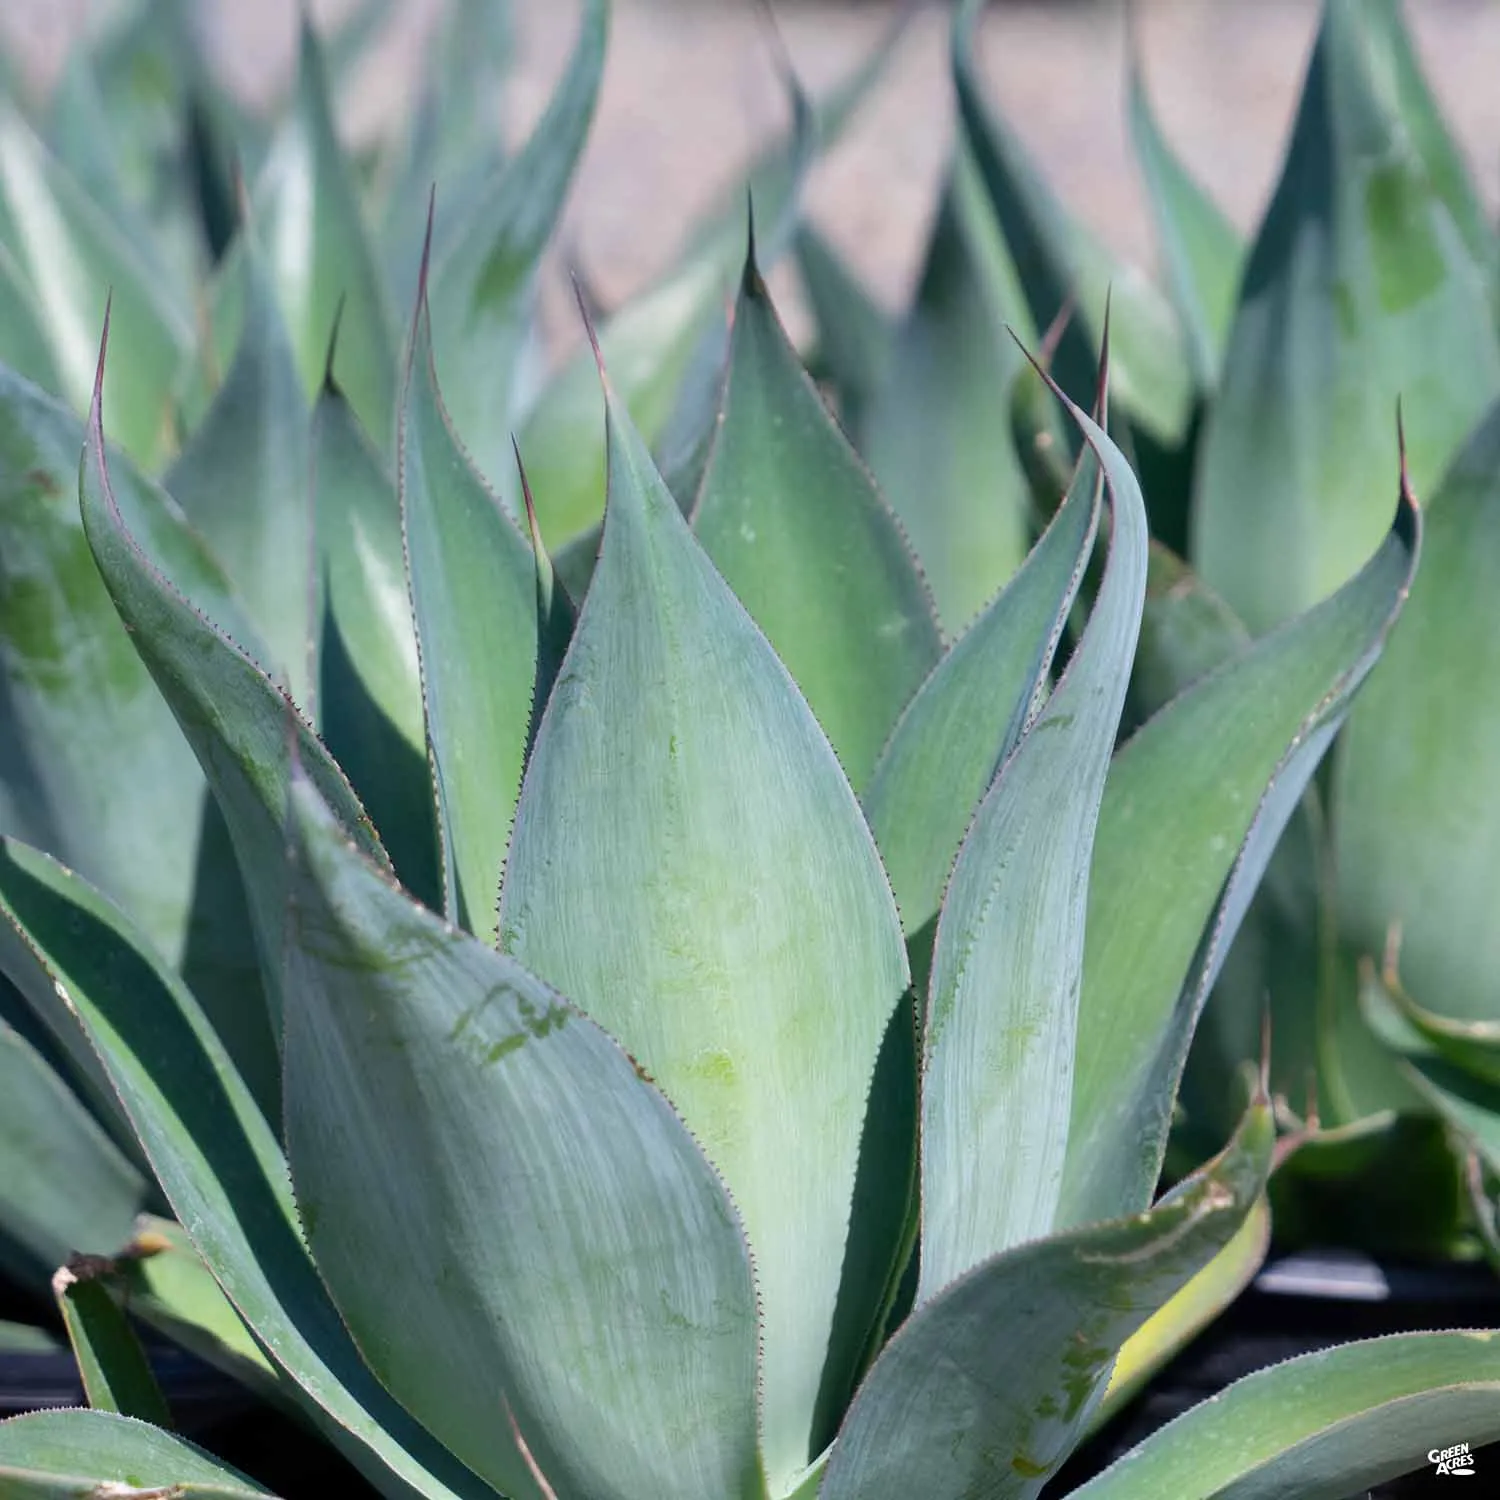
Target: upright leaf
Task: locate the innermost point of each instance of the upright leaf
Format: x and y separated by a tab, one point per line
966	719
517	1229
792	520
1201	251
936	431
114	1369
369	683
483	279
1398	72
1060	263
473	591
951	1411
242	479
1199	797
308	215
1360	289
1416	813
1002	1015
753	955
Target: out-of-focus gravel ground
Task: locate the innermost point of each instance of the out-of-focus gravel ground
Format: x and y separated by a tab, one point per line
689	90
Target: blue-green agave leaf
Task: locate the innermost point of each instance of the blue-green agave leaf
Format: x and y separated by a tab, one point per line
73	259
60	1455
1199	797
242	480
216	1157
1002	1016
1360	289
518	1231
793	521
369	683
1061	264
308	216
936	431
483	278
987	1387
474	597
1323	1426
1416	812
1202	253
244	730
753	957
967	717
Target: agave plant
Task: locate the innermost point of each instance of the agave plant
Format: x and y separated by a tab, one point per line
1255	391
225	401
773	1102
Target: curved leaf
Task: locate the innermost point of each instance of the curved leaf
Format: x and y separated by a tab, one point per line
1359	289
513	1224
967	717
483	280
1198	797
242	479
951	1411
752	958
1323	1426
997	1079
1416	813
474	597
793	521
59	1455
217	1160
245	732
75	697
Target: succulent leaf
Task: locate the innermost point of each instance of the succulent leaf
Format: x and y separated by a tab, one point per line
792	520
1360	289
514	1225
473	589
369	684
73	259
1061	264
308	216
217	1160
997	1078
935	429
56	1455
484	275
967	717
753	956
1198	797
1321	1426
1202	252
64	1185
1415	810
242	480
244	730
950	1410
